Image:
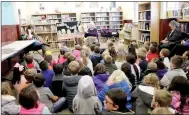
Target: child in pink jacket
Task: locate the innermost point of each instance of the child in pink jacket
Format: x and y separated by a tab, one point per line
180	94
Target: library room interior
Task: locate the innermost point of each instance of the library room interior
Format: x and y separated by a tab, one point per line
94	57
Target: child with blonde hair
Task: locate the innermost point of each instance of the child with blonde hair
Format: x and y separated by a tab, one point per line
108	62
8	102
161	111
120	59
162	98
117	80
85	58
144	93
164	54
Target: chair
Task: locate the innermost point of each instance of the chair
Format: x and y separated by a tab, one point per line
92	32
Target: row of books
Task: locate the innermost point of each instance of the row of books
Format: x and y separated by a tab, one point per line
39	29
101	19
144	15
53	21
115	26
186	12
53	16
115	14
87	15
127	27
173	13
184	27
88	19
101	23
115	23
101	14
144	25
144	37
38	17
115	19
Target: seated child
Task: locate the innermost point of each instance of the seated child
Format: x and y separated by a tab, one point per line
77	52
46	96
92	47
126	68
161	69
31	63
29	75
29	101
47	73
144	92
176	70
70	83
164	54
61	57
8	102
86	100
120	59
143	63
115	102
49	59
186	60
180	94
100	76
96	57
152	68
161	111
152	53
84	70
135	69
110	67
57	80
162	98
117	80
70	58
113	53
18	79
155	45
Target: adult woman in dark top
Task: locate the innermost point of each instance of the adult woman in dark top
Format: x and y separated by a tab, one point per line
173	37
30	35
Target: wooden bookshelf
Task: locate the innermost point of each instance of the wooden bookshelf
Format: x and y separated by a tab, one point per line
112	20
46	24
148	24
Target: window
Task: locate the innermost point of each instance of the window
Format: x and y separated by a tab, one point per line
173	5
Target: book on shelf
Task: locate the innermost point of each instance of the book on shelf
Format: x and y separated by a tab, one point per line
145	15
127	27
115	19
185	12
184	27
115	14
144	25
144	37
174	13
101	15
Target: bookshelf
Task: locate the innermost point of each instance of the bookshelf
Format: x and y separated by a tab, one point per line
46	24
111	20
148	22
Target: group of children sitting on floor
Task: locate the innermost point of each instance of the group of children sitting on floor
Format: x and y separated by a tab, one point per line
92	80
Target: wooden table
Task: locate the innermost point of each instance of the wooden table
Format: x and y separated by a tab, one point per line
12	52
75	38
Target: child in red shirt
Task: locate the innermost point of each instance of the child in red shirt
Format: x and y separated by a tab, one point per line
152	53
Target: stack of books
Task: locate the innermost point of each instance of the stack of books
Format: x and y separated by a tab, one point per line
184	27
